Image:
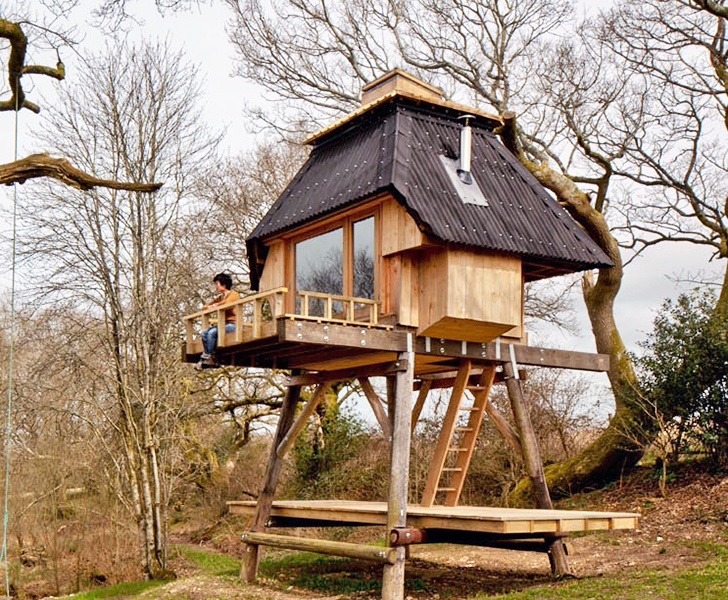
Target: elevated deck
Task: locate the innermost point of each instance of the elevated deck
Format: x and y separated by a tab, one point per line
348	336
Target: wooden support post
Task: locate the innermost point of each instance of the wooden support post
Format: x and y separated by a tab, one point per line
400	413
421	397
249	568
501	424
534	466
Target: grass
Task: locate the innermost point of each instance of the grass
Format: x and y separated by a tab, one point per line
321	573
209	561
120	590
708	581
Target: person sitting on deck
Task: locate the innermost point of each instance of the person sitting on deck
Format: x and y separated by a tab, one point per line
225	295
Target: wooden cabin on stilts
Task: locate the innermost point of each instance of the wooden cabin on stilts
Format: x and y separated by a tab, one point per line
400	250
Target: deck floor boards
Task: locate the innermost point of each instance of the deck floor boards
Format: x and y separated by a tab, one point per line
500	521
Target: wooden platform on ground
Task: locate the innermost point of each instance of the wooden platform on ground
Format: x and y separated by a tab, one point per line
504	522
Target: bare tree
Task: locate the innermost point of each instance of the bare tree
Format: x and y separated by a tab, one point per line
234	196
680	48
117	256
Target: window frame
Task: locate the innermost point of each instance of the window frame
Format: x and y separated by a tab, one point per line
346	223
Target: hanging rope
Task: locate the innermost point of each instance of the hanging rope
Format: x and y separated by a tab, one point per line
8	428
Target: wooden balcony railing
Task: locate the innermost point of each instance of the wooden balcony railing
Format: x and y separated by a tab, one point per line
337	309
255	315
252	313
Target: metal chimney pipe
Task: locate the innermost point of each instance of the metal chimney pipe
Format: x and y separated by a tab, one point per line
466	150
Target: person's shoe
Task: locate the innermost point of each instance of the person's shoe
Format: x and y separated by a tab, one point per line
208	363
199	366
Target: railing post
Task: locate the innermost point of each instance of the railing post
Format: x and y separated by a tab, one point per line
257	316
280	304
238	323
189	335
221	328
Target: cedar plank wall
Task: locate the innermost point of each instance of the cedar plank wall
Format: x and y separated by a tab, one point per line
274	271
483	297
481	300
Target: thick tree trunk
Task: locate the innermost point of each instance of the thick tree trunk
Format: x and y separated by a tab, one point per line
613	451
721	307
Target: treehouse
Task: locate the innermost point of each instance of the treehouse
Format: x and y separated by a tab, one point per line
401	249
409	216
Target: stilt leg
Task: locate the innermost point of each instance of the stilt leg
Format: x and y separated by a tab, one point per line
399	398
534	466
249	568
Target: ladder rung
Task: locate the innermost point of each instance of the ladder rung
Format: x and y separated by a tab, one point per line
458	449
452	469
469	408
475	388
448	489
463	429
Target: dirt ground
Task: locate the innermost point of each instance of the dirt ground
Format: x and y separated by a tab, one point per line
696	509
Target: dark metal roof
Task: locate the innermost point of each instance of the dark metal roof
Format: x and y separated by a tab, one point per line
396	148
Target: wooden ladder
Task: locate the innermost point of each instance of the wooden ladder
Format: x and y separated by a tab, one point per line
456	443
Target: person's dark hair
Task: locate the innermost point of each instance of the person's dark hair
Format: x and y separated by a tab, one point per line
225	280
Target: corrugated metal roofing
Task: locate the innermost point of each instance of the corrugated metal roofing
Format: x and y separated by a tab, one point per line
396	148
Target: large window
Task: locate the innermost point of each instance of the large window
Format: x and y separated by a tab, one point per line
319	263
340	261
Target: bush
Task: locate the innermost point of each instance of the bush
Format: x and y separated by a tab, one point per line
338	457
684	375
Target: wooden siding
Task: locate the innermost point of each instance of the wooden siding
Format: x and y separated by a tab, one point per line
443	291
399	230
274	272
402	288
470	296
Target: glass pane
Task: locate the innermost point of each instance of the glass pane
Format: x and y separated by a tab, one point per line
364	258
319	263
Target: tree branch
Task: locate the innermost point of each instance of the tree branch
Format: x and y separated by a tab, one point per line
713	8
42	165
17	68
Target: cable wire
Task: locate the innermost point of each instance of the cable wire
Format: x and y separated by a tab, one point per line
8	423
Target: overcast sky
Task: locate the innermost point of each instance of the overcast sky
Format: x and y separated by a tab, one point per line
201	33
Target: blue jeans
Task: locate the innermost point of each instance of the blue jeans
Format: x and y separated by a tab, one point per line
209	338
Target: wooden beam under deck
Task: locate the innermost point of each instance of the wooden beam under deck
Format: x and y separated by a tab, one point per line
508	522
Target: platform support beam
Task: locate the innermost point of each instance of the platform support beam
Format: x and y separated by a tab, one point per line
249	567
399	397
534	466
